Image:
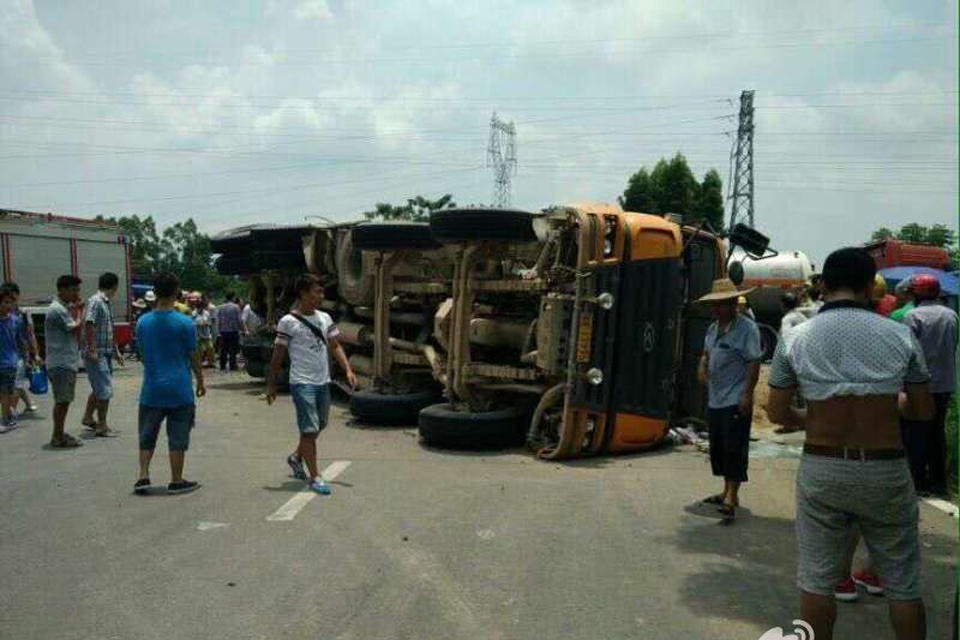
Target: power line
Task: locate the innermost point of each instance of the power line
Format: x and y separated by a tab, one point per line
483	100
566	52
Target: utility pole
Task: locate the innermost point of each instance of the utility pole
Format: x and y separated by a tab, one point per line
502	156
741	192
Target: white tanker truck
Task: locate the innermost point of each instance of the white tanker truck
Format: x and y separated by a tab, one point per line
772	276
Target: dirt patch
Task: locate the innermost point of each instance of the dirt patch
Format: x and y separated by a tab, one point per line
760	395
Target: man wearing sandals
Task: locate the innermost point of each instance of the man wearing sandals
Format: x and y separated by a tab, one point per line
167	342
100	354
62	326
730	367
859	373
305	334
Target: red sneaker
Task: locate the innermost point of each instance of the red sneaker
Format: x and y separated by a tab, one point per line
868	581
846	591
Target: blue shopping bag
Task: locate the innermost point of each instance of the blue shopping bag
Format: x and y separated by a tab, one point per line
38	380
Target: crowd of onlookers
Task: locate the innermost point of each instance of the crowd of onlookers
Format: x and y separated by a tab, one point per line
917	303
220	329
176	336
868	376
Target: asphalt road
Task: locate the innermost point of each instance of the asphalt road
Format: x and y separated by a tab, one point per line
413	543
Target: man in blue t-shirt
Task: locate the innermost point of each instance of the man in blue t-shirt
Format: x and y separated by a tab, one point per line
167	343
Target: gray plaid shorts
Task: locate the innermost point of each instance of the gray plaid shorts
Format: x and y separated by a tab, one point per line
877	495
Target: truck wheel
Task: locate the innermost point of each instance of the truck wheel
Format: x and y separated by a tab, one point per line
372	407
256	368
392	236
458	225
443	426
355	286
768	341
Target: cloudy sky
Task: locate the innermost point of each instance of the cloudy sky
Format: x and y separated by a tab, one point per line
236	112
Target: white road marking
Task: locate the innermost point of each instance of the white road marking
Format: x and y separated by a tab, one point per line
947	507
207	526
294	505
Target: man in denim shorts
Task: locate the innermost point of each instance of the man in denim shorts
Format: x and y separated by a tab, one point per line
168	349
305	334
858	372
99	354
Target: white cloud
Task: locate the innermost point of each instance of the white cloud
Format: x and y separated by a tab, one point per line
405	89
29	55
313	10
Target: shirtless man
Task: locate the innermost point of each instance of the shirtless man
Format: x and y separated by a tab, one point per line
858	373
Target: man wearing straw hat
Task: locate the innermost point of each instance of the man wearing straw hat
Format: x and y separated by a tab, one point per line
729	367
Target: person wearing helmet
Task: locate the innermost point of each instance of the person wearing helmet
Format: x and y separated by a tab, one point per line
905	303
883	302
935	328
743	308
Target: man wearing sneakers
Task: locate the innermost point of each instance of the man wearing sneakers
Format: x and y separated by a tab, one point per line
308	335
858	373
168	349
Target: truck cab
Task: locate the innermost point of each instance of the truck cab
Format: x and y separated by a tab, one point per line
568	327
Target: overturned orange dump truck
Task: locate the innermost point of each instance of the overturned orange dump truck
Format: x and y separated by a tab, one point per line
572	327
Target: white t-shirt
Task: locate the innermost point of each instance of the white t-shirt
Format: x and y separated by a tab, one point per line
251	321
791	320
309	362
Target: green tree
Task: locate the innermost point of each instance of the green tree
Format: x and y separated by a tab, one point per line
941	236
710	200
938	235
672	188
146	248
882	234
416	209
639	195
679	187
914	233
180	249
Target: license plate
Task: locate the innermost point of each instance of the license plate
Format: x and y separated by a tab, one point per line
584	334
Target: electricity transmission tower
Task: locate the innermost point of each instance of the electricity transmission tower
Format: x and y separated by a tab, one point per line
741	190
502	156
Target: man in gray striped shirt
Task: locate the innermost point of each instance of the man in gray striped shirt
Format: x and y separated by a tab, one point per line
100	354
858	373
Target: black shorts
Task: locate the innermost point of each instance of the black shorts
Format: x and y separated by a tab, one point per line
729	442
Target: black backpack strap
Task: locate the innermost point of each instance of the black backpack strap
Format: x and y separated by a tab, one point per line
316	331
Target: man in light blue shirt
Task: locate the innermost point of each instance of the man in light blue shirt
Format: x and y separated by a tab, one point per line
730	367
168	348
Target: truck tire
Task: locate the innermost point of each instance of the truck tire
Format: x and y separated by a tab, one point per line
768	341
372	407
459	225
256	368
392	236
355	286
443	426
